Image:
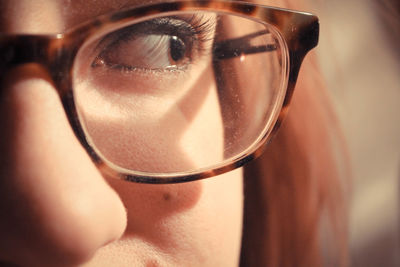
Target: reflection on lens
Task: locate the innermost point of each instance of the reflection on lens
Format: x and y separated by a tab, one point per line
179	93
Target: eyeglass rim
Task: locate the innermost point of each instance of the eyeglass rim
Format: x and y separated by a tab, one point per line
61	49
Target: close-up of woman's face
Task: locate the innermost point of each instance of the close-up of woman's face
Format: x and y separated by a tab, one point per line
160	95
185	133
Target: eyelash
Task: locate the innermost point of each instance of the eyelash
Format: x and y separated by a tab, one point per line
203	28
196	30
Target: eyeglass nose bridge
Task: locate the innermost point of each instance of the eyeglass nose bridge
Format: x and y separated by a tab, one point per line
50	51
46	50
22	49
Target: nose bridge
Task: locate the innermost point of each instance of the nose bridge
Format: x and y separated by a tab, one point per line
44	168
41	57
53	53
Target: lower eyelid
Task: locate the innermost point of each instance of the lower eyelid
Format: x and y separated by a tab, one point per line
140	82
129	72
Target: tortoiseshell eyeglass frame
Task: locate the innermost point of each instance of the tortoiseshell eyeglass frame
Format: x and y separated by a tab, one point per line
56	53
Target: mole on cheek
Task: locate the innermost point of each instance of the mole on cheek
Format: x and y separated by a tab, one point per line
172	196
154	203
166	196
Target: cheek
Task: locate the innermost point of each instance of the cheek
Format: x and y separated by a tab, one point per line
193	224
174	126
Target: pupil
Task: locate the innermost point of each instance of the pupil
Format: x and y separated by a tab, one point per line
177	48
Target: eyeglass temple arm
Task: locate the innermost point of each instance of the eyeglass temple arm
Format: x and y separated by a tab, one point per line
240	46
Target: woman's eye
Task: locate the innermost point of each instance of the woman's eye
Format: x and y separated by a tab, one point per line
146	52
157	44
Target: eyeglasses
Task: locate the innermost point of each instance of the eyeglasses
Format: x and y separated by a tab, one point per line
174	91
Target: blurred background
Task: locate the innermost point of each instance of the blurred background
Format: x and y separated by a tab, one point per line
360	58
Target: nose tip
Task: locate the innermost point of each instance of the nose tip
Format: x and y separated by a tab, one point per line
55	207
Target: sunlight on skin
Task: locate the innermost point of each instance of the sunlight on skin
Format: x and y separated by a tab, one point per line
188	127
203	139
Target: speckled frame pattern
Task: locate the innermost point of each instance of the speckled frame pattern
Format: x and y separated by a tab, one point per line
56	53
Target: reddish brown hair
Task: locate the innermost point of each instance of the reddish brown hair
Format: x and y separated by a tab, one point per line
297	185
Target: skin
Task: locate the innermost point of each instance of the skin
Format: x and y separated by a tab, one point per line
56	209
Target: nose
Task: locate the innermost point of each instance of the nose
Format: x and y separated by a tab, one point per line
55	207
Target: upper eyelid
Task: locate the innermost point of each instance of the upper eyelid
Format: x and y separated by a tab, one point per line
171	23
202	29
155	24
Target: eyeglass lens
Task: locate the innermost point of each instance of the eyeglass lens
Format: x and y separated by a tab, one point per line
179	93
